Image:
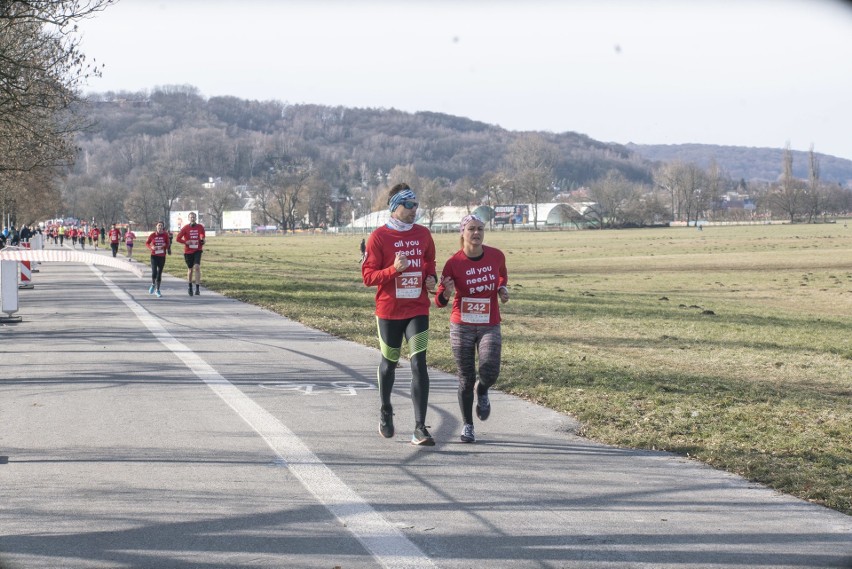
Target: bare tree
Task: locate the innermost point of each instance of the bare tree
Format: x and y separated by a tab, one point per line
26	197
283	190
615	197
221	196
465	193
142	205
41	68
813	195
319	200
788	195
433	195
167	179
530	160
687	187
104	202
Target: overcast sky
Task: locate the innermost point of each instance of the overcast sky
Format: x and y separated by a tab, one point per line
745	73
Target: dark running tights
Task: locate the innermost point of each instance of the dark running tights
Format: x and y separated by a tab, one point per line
391	333
466	340
157	264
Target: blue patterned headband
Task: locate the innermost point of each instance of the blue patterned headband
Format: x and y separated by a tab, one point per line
402	196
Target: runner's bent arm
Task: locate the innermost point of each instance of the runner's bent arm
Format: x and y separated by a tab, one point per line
371	270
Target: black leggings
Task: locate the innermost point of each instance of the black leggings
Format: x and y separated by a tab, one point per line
391	333
157	264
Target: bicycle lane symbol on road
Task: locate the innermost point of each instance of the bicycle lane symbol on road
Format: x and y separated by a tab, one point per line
342	388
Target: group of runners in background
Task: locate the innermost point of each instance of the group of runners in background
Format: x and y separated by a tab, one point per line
159	243
399	259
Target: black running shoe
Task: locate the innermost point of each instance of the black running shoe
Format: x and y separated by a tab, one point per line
197	291
386	423
483	406
190	290
422	437
467	435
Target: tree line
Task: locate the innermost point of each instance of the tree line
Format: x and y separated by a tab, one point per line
137	156
41	71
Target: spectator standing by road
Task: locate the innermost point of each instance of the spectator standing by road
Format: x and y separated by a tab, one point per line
160	244
400	261
473	279
114	239
192	236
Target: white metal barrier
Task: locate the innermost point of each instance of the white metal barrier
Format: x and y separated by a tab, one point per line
9	290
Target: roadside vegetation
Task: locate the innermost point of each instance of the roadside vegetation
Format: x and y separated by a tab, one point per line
729	345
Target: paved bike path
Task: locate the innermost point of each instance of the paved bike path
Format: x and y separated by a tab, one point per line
204	432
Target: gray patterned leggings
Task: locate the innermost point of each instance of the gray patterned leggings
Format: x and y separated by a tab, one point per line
466	340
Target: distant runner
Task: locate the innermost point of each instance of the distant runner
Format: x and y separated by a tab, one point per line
129	238
114	239
160	244
192	236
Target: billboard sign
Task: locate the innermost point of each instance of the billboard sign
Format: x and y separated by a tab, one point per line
178	219
237	219
511	214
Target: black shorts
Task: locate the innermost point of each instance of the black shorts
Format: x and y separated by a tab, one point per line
192	259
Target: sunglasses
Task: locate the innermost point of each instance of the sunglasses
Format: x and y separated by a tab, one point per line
409	204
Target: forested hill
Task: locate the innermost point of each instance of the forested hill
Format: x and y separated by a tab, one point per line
741	162
235	138
223	136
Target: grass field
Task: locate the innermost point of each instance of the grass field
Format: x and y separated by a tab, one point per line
730	345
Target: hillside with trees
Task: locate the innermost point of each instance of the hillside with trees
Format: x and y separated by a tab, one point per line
145	154
746	163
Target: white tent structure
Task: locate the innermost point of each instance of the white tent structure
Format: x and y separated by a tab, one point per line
560	213
443	218
448	217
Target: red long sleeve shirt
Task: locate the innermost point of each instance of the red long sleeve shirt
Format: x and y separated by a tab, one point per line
399	295
158	243
191	235
477	281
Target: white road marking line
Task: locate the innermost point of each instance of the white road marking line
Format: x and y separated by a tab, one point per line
384	541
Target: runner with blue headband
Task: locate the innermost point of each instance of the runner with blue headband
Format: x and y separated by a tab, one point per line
399	260
399	199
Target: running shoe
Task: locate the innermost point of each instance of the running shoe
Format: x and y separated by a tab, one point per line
197	291
386	423
483	406
467	435
190	290
422	437
159	294
151	289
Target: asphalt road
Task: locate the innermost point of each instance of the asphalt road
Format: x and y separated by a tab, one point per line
203	432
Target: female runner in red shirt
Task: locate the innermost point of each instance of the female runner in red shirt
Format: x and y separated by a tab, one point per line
160	244
474	278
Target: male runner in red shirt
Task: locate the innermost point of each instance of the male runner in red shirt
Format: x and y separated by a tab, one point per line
192	236
399	260
114	235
